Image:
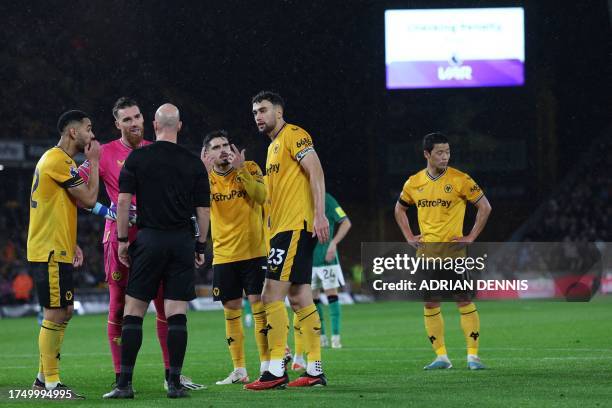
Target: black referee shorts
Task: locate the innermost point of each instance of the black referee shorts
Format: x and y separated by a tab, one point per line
162	256
232	278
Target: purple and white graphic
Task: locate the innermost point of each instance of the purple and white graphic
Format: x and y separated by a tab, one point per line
454	48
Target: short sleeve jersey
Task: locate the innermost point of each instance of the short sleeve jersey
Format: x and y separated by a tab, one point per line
440	202
53	211
236	219
288	186
169	182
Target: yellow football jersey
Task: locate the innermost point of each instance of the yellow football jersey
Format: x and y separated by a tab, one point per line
440	202
235	218
291	202
53	212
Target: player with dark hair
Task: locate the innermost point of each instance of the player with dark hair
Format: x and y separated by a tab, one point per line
239	253
296	194
169	182
52	235
130	122
444	224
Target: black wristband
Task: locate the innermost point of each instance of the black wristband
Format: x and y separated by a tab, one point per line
124	239
200	247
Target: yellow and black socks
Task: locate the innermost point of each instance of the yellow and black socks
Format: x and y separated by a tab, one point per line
297	337
434	325
470	323
234	334
177	345
310	327
278	328
261	338
49	344
131	340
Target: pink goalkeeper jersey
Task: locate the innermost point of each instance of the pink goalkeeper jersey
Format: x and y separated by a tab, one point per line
112	157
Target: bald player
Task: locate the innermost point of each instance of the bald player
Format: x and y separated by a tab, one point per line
169	182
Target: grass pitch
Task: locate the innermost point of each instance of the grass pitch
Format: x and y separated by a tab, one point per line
537	354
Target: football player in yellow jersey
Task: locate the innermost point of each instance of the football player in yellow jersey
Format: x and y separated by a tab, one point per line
296	193
52	235
440	194
237	194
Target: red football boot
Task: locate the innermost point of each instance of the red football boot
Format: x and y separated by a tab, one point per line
307	380
268	381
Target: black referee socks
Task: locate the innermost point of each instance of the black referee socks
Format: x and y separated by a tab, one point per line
131	340
177	344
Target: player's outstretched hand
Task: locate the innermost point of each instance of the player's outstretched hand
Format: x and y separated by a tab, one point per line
124	258
199	260
236	157
92	151
321	228
78	257
208	161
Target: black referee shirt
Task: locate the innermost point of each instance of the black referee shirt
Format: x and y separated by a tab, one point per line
168	181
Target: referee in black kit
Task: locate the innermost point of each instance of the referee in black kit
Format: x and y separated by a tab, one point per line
169	183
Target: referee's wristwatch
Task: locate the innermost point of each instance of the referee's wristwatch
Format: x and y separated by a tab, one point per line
200	247
122	239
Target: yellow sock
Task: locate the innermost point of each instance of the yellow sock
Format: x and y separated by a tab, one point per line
470	323
278	328
49	343
310	326
235	336
434	325
297	336
259	316
61	341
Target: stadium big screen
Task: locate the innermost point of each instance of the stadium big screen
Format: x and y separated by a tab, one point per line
452	48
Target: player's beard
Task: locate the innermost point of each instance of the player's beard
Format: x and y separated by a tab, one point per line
222	162
80	144
268	128
134	139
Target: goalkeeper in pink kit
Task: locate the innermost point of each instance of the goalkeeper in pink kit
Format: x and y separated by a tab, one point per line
129	120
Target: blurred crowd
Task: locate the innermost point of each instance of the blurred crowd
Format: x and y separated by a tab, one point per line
582	210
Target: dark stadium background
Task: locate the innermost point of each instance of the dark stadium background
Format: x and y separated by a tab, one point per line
541	152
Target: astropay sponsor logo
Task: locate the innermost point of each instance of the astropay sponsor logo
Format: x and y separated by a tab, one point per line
224	197
273	168
434	203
